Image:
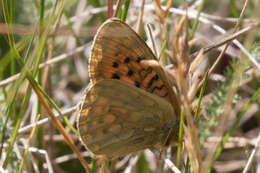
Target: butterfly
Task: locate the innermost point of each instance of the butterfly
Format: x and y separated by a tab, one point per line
130	105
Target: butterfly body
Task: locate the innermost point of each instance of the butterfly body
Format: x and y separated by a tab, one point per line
131	105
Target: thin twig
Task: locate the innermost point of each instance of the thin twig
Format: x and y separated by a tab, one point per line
41	122
28	145
252	155
228	39
171	165
118	5
109	8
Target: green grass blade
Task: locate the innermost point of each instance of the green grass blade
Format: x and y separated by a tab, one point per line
164	46
179	150
204	82
124	12
196	22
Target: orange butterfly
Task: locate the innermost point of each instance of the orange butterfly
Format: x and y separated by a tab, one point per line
131	105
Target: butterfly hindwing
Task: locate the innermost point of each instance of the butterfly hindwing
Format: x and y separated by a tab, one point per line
117	118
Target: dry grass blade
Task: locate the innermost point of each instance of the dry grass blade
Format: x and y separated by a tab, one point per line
229	38
46	120
110	9
252	155
28	145
140	19
183	64
118	5
151	37
172	166
160	11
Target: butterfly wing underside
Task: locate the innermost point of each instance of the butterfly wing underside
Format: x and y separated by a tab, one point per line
117	118
119	53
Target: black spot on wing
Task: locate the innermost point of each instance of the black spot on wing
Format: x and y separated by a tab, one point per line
137	84
130	72
115	76
155	78
160	88
157	88
139	59
115	64
127	60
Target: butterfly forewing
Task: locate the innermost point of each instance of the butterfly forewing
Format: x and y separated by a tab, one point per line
118	53
117	118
